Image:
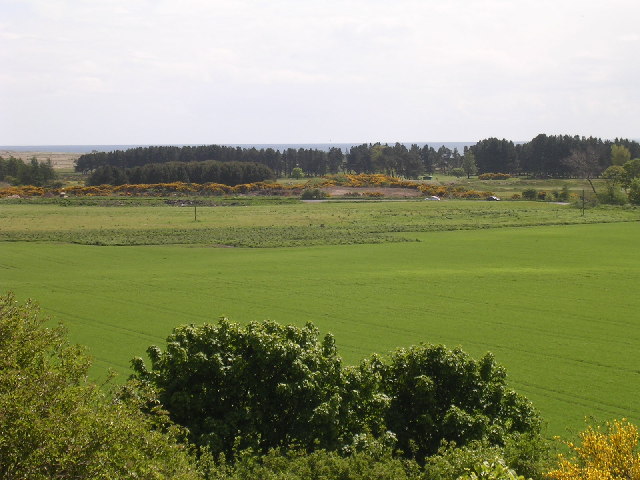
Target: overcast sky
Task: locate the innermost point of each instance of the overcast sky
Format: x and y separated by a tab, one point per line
295	71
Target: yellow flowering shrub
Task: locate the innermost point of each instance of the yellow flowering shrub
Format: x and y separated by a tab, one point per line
603	454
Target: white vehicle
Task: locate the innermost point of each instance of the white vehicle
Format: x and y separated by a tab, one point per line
433	198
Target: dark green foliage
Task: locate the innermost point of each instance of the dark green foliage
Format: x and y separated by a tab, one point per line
530	194
634	192
270	386
15	171
54	424
261	386
439	394
313	194
494	155
370	463
228	173
313	161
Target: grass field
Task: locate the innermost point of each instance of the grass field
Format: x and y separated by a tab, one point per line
556	303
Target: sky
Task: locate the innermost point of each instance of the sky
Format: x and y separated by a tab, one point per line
316	71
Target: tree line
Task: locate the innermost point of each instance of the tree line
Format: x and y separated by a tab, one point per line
313	161
545	155
227	173
16	172
559	156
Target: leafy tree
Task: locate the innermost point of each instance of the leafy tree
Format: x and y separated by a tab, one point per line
427	156
439	394
54	424
615	175
35	173
632	170
297	173
359	159
469	163
261	386
494	155
619	154
412	165
335	159
457	172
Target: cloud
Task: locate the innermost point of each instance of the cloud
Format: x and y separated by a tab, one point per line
312	70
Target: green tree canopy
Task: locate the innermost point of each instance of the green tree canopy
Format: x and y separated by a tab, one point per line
55	424
469	163
267	385
619	154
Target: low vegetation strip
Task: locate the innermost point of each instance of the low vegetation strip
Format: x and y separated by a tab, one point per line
271	225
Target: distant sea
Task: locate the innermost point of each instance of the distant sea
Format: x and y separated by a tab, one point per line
276	146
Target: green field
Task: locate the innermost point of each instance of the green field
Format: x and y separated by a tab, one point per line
555	302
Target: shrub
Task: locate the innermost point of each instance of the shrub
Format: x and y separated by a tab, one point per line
321	465
457	172
494	176
542	195
603	453
612	195
529	194
313	194
494	470
634	192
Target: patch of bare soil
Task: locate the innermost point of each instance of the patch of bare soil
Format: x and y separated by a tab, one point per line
58	160
388	192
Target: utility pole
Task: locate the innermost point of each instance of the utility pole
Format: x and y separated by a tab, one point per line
195	213
583	202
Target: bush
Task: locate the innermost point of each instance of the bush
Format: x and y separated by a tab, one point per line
494	176
320	465
313	194
634	192
457	172
603	453
529	194
612	195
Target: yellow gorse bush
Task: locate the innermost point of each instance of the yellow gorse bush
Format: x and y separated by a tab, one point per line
260	188
603	454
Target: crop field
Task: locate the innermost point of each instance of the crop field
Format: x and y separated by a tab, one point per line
552	293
